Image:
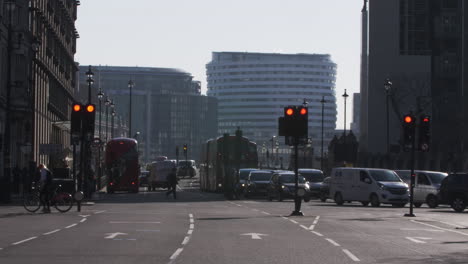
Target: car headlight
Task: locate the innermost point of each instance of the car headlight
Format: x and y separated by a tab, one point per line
306	186
243	185
285	188
383	187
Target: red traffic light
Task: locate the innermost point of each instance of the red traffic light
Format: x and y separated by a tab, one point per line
408	119
425	119
303	111
76	107
90	108
289	111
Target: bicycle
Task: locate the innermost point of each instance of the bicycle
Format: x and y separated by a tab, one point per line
62	201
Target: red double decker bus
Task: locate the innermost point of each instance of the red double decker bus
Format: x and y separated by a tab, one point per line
122	166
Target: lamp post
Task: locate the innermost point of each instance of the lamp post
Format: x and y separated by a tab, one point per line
107	103
32	164
321	149
130	86
100	95
112	105
345	96
388	90
272	156
90	81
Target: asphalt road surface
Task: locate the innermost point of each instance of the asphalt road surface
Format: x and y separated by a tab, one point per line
149	227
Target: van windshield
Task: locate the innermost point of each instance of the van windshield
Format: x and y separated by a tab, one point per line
437	177
384	176
290	178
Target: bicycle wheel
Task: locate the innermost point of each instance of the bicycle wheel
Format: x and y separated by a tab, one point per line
31	202
63	202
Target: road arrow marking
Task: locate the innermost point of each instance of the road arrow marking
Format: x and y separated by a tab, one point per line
254	235
417	239
113	235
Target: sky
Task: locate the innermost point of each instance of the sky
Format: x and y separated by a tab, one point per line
183	33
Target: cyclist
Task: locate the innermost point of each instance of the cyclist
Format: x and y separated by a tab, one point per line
44	180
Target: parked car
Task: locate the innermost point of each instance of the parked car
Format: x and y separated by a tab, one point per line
257	182
143	178
426	186
282	185
366	185
454	191
186	168
325	189
315	178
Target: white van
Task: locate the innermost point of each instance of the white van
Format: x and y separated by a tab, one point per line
367	185
426	186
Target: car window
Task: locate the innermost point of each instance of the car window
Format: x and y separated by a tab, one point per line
260	176
437	177
385	176
363	176
315	176
244	174
423	180
454	179
289	178
404	175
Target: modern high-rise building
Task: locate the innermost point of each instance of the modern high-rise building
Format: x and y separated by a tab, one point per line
253	88
356	114
167	107
421	46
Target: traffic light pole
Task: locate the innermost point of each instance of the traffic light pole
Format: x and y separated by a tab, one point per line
412	182
297	199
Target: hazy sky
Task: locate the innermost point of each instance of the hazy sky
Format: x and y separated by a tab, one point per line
183	33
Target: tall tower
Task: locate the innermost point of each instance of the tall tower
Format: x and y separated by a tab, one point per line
364	71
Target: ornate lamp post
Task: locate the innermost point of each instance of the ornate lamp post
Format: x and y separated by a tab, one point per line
345	96
112	105
388	91
90	81
130	86
100	95
321	149
107	103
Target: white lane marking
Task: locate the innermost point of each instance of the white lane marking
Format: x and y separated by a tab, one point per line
421	229
284	217
25	240
445	229
238	204
191	226
147	230
265	213
293	221
51	232
190	232
186	240
254	235
84	215
114	235
191	220
70	226
417	239
305	227
176	253
316	220
125	222
83	220
332	242
99	212
191	215
351	255
256	210
311	227
317	233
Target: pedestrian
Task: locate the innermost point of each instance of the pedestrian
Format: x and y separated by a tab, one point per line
172	182
44	183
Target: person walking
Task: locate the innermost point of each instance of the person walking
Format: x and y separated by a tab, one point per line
172	182
44	181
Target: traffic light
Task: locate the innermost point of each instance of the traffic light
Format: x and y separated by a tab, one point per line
409	125
424	133
75	120
89	116
185	149
295	122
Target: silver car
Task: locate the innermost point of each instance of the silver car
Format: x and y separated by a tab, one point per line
426	187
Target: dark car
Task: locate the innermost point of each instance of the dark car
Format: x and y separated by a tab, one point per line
454	191
143	178
315	179
282	185
186	168
257	182
243	176
325	189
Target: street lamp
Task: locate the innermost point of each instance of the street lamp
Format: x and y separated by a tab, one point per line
345	96
388	91
100	95
321	149
35	45
112	105
90	81
130	86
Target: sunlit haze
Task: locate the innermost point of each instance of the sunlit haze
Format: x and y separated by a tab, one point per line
183	33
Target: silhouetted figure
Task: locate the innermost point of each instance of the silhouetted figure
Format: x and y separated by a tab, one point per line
172	182
44	183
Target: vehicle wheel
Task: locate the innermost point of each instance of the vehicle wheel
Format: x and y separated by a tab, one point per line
374	200
417	205
306	199
323	197
400	205
458	204
31	202
339	199
365	203
63	202
431	201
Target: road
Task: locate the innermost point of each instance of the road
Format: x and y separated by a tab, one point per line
205	228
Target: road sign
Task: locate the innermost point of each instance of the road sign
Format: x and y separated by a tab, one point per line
254	235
